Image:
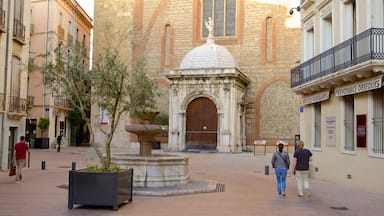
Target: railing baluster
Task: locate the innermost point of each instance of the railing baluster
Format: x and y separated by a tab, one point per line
360	48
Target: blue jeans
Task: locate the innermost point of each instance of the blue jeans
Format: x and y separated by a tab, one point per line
281	176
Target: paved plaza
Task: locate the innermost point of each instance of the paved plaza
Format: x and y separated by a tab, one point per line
245	190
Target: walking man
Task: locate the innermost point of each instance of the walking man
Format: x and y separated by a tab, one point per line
20	154
301	159
59	139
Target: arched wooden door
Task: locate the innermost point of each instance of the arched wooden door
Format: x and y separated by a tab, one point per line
201	127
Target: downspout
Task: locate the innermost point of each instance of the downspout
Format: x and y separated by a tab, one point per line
5	83
46	60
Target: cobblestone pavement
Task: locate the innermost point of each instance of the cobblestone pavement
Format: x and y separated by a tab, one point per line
246	190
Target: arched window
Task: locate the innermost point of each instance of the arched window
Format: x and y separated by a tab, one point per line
167	44
268	40
223	14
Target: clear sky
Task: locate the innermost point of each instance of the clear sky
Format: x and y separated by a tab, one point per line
87	5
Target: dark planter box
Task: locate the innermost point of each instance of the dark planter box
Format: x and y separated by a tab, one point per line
41	143
100	188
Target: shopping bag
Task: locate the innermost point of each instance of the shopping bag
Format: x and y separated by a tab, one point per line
12	170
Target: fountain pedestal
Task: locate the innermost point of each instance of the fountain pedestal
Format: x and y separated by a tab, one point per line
153	170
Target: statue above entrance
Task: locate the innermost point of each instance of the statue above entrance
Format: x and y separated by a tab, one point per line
209	26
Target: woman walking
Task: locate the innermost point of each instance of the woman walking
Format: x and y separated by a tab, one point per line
280	161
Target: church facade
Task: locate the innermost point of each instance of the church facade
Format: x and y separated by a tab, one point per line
223	85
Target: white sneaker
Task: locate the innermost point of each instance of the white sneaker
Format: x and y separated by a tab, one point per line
307	193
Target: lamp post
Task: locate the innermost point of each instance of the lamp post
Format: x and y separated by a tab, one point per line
294	8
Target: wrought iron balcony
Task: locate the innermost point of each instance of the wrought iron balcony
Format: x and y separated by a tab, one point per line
69	38
19	31
17	104
60	32
30	101
341	61
2	102
62	102
2	20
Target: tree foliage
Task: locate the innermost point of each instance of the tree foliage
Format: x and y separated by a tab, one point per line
118	86
43	123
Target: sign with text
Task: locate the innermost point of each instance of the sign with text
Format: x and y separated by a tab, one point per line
331	130
359	87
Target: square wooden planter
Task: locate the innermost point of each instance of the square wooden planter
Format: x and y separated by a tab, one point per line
99	188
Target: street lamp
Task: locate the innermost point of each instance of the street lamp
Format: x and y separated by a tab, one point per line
294	8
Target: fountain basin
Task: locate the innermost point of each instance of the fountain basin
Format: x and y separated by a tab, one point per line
157	170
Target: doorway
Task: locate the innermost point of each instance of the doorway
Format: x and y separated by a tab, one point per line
201	125
12	142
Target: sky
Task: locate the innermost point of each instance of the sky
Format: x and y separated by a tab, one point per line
87	5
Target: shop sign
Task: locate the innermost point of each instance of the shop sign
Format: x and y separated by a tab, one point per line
359	87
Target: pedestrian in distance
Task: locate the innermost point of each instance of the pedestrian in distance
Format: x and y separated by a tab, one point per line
19	157
280	162
58	140
301	159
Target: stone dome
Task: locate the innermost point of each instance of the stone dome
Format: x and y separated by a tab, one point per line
208	55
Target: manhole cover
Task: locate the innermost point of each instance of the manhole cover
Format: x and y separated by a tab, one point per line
339	207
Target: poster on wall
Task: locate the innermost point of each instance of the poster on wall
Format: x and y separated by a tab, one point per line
331	131
104	117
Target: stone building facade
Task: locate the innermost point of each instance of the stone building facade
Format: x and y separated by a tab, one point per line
52	23
340	81
261	36
14	47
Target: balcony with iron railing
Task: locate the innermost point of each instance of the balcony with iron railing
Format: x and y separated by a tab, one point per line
30	101
69	38
62	102
2	102
17	107
359	57
19	31
60	32
2	20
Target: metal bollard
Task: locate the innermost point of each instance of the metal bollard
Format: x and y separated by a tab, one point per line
73	166
266	172
43	165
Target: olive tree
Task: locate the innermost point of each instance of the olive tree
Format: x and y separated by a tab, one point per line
115	84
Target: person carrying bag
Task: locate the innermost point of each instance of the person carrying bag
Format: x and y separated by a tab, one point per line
280	161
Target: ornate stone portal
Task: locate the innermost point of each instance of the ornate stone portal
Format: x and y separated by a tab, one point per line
207	75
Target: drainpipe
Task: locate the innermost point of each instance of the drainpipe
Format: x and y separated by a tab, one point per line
46	59
5	83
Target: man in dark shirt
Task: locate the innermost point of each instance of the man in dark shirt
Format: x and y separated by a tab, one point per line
59	139
20	155
301	160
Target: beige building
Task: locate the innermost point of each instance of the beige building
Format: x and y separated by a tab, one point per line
340	82
14	47
260	35
52	23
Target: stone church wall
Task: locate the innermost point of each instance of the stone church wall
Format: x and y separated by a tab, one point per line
272	110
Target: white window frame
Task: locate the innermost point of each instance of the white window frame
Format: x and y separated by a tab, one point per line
326	29
316	130
371	127
343	138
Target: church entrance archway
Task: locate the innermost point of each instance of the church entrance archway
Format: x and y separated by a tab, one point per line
201	127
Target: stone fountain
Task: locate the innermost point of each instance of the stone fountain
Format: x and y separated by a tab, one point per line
153	170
